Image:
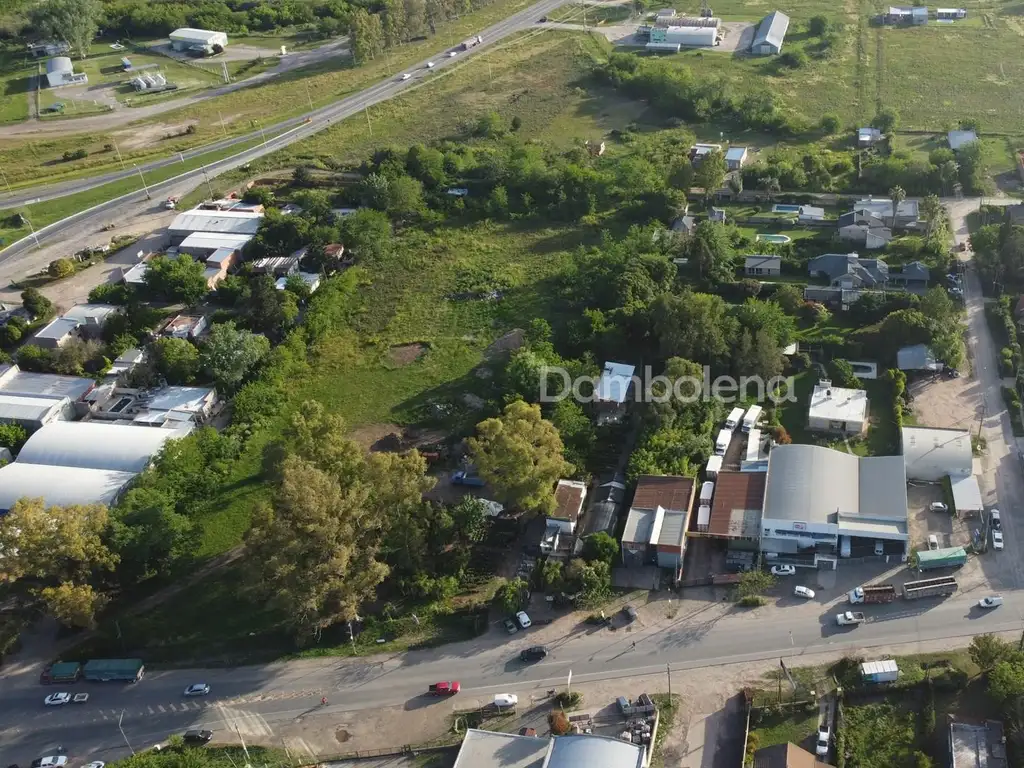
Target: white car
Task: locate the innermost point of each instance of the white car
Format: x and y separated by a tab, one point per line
505	700
197	689
992	601
821	747
803	592
56	699
523	619
96	764
430	65
997	540
53	761
452	54
405	76
995	520
783	570
937	506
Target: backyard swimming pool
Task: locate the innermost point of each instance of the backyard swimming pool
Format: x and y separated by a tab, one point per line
774	238
778	208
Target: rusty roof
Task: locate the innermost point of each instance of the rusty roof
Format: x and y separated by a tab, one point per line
568	500
667	491
737	505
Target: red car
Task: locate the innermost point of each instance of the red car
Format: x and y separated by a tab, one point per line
445	688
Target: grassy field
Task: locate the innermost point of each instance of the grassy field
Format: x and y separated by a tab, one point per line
16	73
797	724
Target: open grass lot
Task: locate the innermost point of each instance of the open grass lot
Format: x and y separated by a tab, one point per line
796	724
602	14
73	107
16	73
106	69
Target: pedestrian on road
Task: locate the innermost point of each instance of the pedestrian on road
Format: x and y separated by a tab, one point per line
634	645
323	702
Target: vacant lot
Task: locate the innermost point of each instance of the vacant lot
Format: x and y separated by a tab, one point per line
797	725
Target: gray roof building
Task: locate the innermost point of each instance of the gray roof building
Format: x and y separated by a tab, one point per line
770	34
862	273
767	264
813	484
917	357
960	139
14	381
492	749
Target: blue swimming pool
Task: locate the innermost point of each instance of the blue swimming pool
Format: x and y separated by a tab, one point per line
774	238
778	208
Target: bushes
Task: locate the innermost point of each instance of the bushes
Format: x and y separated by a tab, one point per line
1000	318
77	154
897	382
558	722
569	699
753	744
1012	400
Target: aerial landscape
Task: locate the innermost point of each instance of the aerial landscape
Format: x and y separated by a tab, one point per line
510	384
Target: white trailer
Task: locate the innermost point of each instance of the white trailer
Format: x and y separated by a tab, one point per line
722	443
750	420
734	418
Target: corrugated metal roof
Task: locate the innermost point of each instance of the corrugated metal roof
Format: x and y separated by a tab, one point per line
613	386
809	483
214	240
638	526
967	494
26	408
95	445
772	30
947	448
234	222
46	385
59	485
736	508
669	491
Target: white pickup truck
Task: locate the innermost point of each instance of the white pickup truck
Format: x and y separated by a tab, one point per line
849	618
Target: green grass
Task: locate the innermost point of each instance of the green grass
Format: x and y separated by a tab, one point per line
668	709
15	80
881	734
72	107
791	724
606	14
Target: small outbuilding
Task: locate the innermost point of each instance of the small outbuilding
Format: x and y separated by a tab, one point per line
960	139
198	40
886	671
762	266
837	410
60	71
771	33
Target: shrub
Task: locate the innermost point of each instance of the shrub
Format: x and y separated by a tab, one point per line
830	124
780	435
76	154
1012	400
753	744
793	59
558	722
751	601
569	699
61	268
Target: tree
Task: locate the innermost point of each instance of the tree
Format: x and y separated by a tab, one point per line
710	174
75	605
179	278
60	268
755	582
886	121
314	551
757	315
230	353
35	359
736	184
367	35
367	234
988	650
600	546
177	360
818	26
590	581
712	251
511	596
693	326
789	298
897	194
842	375
75	21
770	185
268	310
1006	679
405	198
829	122
551	575
13	436
931	211
519	454
149	535
36	304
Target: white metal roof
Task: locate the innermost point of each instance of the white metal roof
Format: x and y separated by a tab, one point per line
613	386
19	408
233	222
878	667
772	30
949	449
96	445
44	385
214	241
190	399
192	35
59	485
967	494
59	64
838	404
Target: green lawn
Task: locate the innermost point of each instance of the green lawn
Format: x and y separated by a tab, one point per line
72	107
880	735
791	724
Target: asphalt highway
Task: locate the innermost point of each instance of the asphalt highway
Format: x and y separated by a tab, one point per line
296	128
253	700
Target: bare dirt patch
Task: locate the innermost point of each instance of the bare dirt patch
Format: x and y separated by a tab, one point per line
147	135
378	437
406	354
943	402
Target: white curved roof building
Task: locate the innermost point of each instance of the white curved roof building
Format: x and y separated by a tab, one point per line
94	445
59	486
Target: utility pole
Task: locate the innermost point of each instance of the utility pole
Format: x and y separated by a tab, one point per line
209	186
118	150
144	186
222	128
120	728
31	229
308	97
668	671
6	183
366	111
263	135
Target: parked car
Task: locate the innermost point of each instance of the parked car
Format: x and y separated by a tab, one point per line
995	520
997	540
821	747
53	761
510	626
803	592
506	700
405	76
783	570
95	764
992	601
197	736
57	699
937	506
197	689
536	653
849	618
445	688
933	541
430	65
524	620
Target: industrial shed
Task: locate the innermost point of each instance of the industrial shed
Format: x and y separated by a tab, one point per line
932	454
59	485
771	32
687	37
189	39
95	445
200	245
213	222
60	71
33	412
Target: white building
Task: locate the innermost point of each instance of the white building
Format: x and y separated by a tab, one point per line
60	485
199	40
930	454
81	320
200	245
97	445
213	222
815	496
60	71
770	34
492	749
33	412
835	409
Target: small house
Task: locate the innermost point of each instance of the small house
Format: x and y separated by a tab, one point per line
699	151
866	137
736	157
658	519
60	71
960	139
184	327
569	498
770	34
762	266
864	229
717	215
684	225
950	14
837	410
202	41
811	213
880	671
917	357
311	279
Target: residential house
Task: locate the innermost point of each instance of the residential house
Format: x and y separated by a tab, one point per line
603	512
736	157
836	298
867	137
276	265
717	215
864	229
84	321
905	14
127	362
699	151
911	277
810	213
612	391
950	14
960	139
684	225
47	48
761	266
170	406
917	357
569	498
659	517
311	279
837	409
217	265
184	327
977	746
849	271
907	213
770	34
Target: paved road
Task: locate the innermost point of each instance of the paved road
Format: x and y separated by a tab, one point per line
254	700
297	128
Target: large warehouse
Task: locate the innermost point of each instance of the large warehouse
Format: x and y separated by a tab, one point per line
213	222
95	445
198	40
59	485
820	504
931	454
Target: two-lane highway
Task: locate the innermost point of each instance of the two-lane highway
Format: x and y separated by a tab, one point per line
257	700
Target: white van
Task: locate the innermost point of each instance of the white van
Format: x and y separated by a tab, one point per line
734	418
722	443
752	417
